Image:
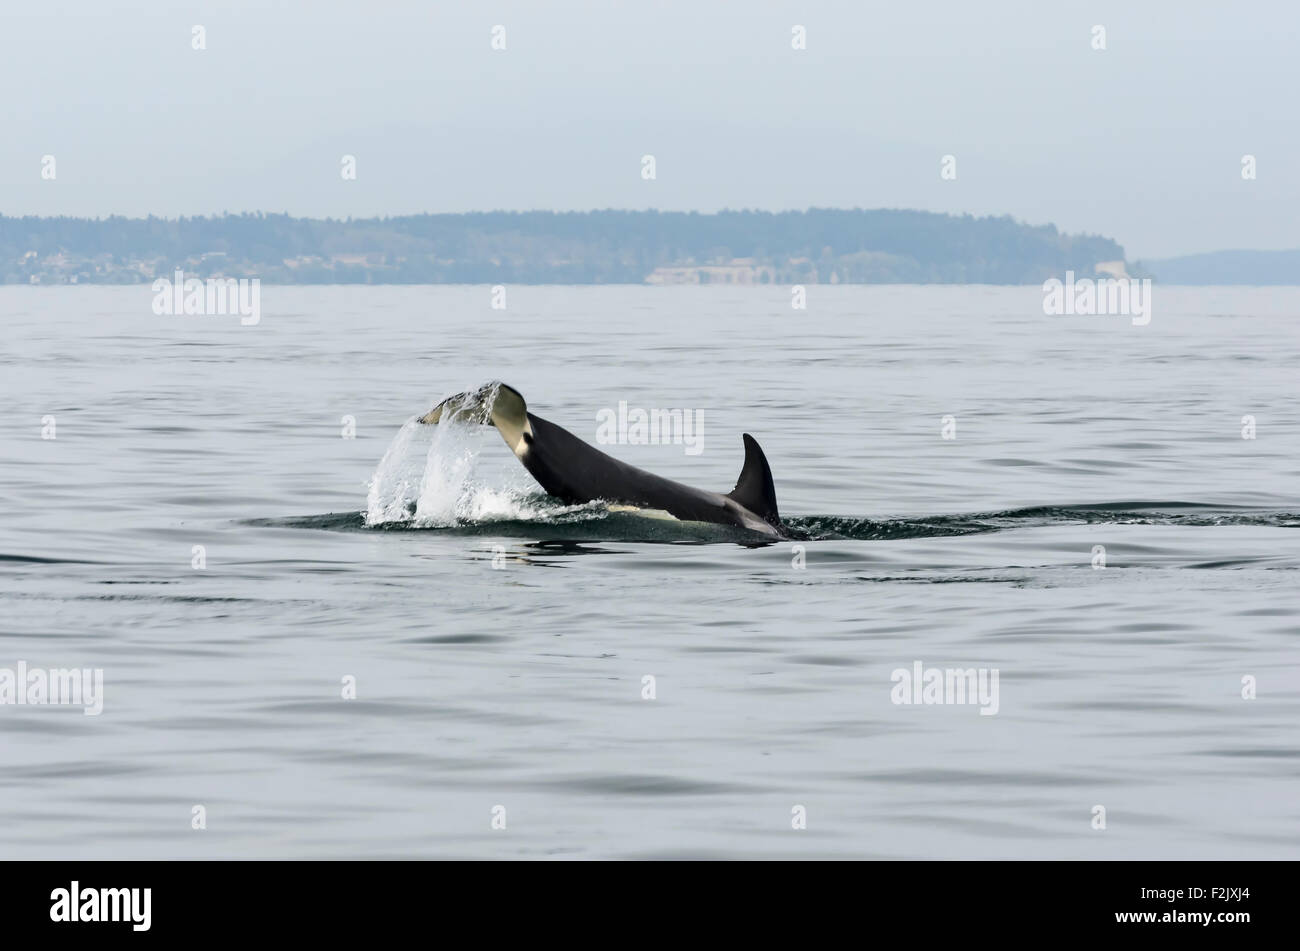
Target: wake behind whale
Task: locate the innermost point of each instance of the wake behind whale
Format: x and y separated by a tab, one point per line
536	517
453	479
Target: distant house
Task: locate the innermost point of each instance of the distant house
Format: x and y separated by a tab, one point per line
736	271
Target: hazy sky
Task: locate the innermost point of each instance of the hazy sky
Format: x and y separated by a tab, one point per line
1142	142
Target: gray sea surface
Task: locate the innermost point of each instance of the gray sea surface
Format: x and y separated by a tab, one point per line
499	643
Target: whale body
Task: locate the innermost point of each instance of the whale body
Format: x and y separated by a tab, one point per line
576	472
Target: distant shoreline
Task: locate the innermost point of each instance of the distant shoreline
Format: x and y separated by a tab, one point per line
818	246
733	248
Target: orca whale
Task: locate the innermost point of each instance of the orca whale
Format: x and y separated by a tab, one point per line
576	472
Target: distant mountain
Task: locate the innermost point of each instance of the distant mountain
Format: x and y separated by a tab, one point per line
1228	267
541	247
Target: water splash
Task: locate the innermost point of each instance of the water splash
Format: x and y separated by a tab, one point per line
394	486
457	473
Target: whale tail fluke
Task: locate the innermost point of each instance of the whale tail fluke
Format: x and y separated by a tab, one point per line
754	489
493	404
477	406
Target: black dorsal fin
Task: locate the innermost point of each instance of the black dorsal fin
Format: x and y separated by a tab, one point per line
754	488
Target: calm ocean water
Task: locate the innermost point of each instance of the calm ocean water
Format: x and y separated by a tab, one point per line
521	686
